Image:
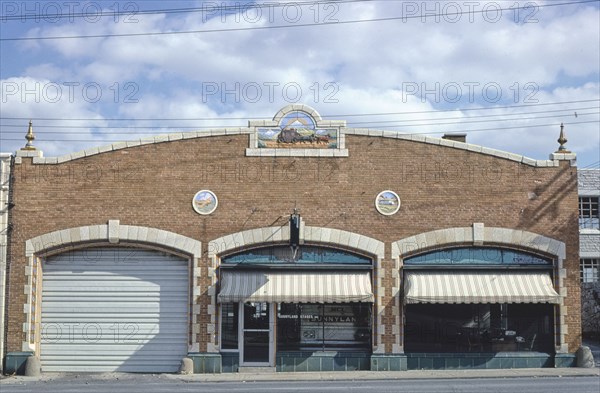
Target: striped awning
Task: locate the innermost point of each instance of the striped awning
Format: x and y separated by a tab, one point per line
295	287
479	287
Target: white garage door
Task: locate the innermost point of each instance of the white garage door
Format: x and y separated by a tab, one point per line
114	309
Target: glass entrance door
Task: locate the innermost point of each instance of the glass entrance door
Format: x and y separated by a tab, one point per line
256	338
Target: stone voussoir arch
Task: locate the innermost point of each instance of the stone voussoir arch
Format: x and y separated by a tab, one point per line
111	233
309	234
479	235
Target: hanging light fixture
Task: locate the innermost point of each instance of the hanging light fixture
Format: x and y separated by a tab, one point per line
295	232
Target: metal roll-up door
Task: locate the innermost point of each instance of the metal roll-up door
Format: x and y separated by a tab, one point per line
114	309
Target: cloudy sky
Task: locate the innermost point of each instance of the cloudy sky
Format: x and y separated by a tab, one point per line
507	73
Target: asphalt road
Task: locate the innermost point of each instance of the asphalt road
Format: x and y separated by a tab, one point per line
157	383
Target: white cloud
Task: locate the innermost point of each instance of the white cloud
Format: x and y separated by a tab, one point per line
26	98
368	64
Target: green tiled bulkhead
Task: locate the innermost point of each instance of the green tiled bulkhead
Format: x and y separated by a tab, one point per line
306	361
206	363
502	360
298	361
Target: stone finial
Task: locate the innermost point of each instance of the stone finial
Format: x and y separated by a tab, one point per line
562	140
30	138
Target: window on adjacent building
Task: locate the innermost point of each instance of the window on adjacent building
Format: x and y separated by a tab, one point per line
588	213
590	270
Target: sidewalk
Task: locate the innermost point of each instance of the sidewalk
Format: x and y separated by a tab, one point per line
334	376
399	375
328	376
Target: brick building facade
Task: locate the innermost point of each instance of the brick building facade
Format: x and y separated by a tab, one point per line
375	206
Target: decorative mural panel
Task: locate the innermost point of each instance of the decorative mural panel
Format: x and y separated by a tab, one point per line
205	202
298	130
387	202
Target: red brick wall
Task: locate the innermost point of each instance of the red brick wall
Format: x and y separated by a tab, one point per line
153	186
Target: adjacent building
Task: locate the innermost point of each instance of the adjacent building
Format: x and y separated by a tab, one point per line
294	244
589	224
589	250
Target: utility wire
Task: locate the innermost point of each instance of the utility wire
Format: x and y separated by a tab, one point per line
403	133
465	109
572	111
189	10
338	116
592	165
324	23
466	120
459	121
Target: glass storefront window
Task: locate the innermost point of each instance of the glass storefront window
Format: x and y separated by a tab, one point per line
335	327
256	315
479	328
256	332
229	326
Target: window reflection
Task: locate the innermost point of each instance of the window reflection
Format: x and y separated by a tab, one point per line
324	326
477	256
256	315
305	255
479	328
229	328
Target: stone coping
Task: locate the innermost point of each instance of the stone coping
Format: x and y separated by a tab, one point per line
38	158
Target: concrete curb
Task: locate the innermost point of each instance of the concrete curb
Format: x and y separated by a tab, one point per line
390	375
